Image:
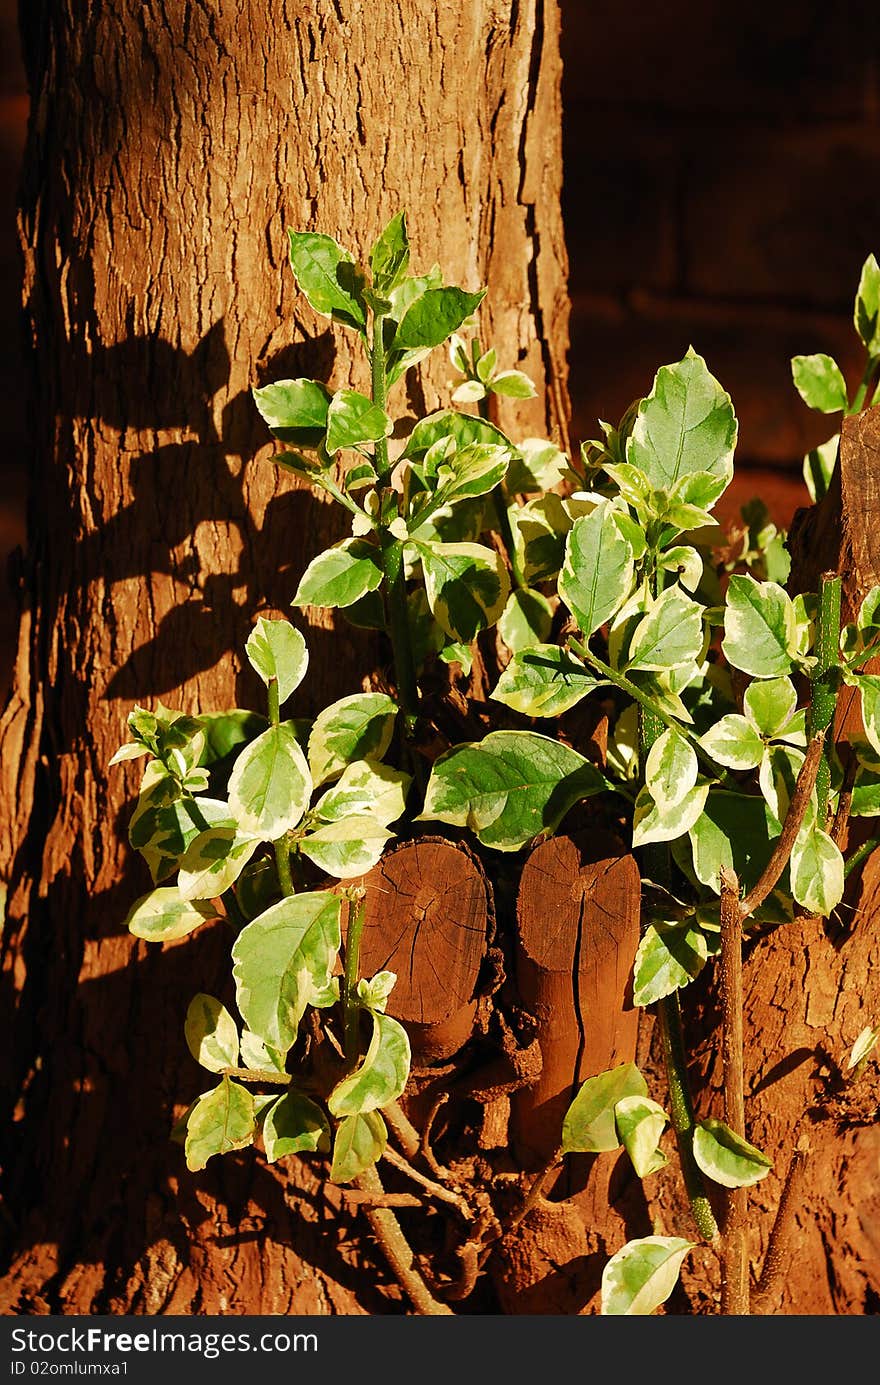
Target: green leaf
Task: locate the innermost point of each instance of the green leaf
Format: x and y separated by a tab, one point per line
642	1275
276	649
670	769
589	1126
816	872
346	848
340	576
670	635
869	686
640	1123
512	383
539	531
353	419
727	1158
389	257
537	466
280	959
163	825
295	1125
220	1121
664	822
509	787
526	619
597	573
466	585
818	468
866	312
270	785
760	634
770	705
226	731
435	316
366	787
327	275
375	992
360	1142
819	382
668	958
686	424
736	831
259	1056
777	777
380	1077
211	1033
295	410
358	727
164	914
464	428
464	473
213	861
733	741
543	681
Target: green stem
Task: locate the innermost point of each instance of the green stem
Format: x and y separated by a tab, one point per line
656	860
502	518
380	393
871	367
350	978
682	1114
824	681
860	854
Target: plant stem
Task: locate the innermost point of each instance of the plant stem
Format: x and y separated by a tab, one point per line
682	1114
397	1250
734	1244
871	367
502	518
824	681
669	1013
350	1007
280	847
797	807
380	393
859	855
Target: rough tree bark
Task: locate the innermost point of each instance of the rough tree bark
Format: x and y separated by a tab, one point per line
170	147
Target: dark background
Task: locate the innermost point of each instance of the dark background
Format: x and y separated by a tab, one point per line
722	166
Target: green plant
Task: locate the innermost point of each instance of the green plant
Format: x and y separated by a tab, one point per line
719	772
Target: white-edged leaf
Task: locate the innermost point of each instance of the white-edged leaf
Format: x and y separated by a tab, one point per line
382	1074
211	1033
734	742
543	681
280	958
642	1275
640	1123
346	848
667	959
819	382
340	576
164	914
353	419
770	705
863	1047
597	572
276	649
526	619
467	587
509	787
817	872
670	769
727	1158
294	1124
366	786
760	634
213	861
669	635
589	1126
270	785
685	425
358	1144
220	1121
358	727
653	822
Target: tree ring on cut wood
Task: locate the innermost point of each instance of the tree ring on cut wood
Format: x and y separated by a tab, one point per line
428	917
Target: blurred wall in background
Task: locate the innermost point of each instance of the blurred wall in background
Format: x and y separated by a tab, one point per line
722	166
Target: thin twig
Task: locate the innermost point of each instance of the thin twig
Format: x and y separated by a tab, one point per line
734	1245
403	1128
437	1190
776	1259
534	1192
844	801
363	1198
797	807
425	1149
398	1251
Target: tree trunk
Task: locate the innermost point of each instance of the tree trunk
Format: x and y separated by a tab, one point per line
170	148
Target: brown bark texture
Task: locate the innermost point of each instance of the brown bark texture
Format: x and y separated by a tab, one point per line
171	146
